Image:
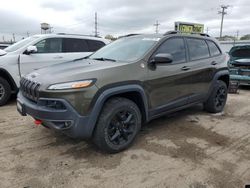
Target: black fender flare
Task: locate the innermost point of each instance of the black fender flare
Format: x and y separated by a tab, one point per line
107	93
217	75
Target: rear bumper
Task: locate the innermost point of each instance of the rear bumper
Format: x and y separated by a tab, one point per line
67	120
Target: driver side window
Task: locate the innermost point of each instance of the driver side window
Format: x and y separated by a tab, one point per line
175	47
50	45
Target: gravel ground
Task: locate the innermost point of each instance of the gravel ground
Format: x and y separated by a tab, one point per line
188	149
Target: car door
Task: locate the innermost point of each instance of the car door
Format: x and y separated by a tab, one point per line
168	84
201	66
49	52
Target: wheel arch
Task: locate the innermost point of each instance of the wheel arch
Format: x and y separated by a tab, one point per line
220	75
133	92
225	78
6	75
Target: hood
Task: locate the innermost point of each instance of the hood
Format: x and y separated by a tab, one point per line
240	52
2	52
71	71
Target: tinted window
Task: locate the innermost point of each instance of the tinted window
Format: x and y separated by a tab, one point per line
95	45
214	50
75	45
198	49
51	45
175	47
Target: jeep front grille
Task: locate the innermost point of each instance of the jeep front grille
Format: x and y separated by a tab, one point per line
30	89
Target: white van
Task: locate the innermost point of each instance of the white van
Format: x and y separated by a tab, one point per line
40	51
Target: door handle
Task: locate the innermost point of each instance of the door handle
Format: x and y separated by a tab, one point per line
213	63
185	68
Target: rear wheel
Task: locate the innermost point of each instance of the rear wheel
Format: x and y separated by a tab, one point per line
217	99
118	125
5	91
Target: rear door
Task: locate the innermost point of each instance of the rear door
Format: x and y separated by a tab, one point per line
202	67
168	84
49	52
74	48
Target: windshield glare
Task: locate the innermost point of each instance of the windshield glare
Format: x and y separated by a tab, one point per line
126	49
20	44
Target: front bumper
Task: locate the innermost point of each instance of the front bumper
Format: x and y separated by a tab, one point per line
242	76
242	80
66	120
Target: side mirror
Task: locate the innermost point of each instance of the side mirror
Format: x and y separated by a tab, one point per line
30	50
162	58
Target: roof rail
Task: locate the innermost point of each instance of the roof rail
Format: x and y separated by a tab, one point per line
179	32
77	35
172	32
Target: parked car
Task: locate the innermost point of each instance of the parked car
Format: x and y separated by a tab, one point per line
109	95
40	51
239	64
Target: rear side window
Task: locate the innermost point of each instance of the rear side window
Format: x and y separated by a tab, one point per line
175	47
75	45
214	50
50	45
198	49
95	45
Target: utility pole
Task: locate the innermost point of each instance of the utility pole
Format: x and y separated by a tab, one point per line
14	38
157	26
223	13
96	31
237	34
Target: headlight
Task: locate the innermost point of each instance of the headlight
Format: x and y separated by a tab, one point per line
71	85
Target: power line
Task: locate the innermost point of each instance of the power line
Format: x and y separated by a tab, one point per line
223	13
157	24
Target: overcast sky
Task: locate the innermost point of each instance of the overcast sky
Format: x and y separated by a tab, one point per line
118	17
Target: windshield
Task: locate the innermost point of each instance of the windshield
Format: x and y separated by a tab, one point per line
20	44
126	49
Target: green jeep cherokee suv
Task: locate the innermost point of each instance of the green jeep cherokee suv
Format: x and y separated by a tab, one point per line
107	96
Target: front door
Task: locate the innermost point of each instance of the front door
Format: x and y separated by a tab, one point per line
168	84
49	52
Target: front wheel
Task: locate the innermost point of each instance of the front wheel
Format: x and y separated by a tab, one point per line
5	91
118	125
217	98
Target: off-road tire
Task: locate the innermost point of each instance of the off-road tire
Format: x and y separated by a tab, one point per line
5	91
219	92
112	108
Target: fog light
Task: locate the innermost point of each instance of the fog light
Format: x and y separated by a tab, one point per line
63	124
67	124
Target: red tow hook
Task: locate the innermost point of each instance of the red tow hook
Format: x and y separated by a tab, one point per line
38	122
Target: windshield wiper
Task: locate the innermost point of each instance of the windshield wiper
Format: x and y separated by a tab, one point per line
104	59
81	58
